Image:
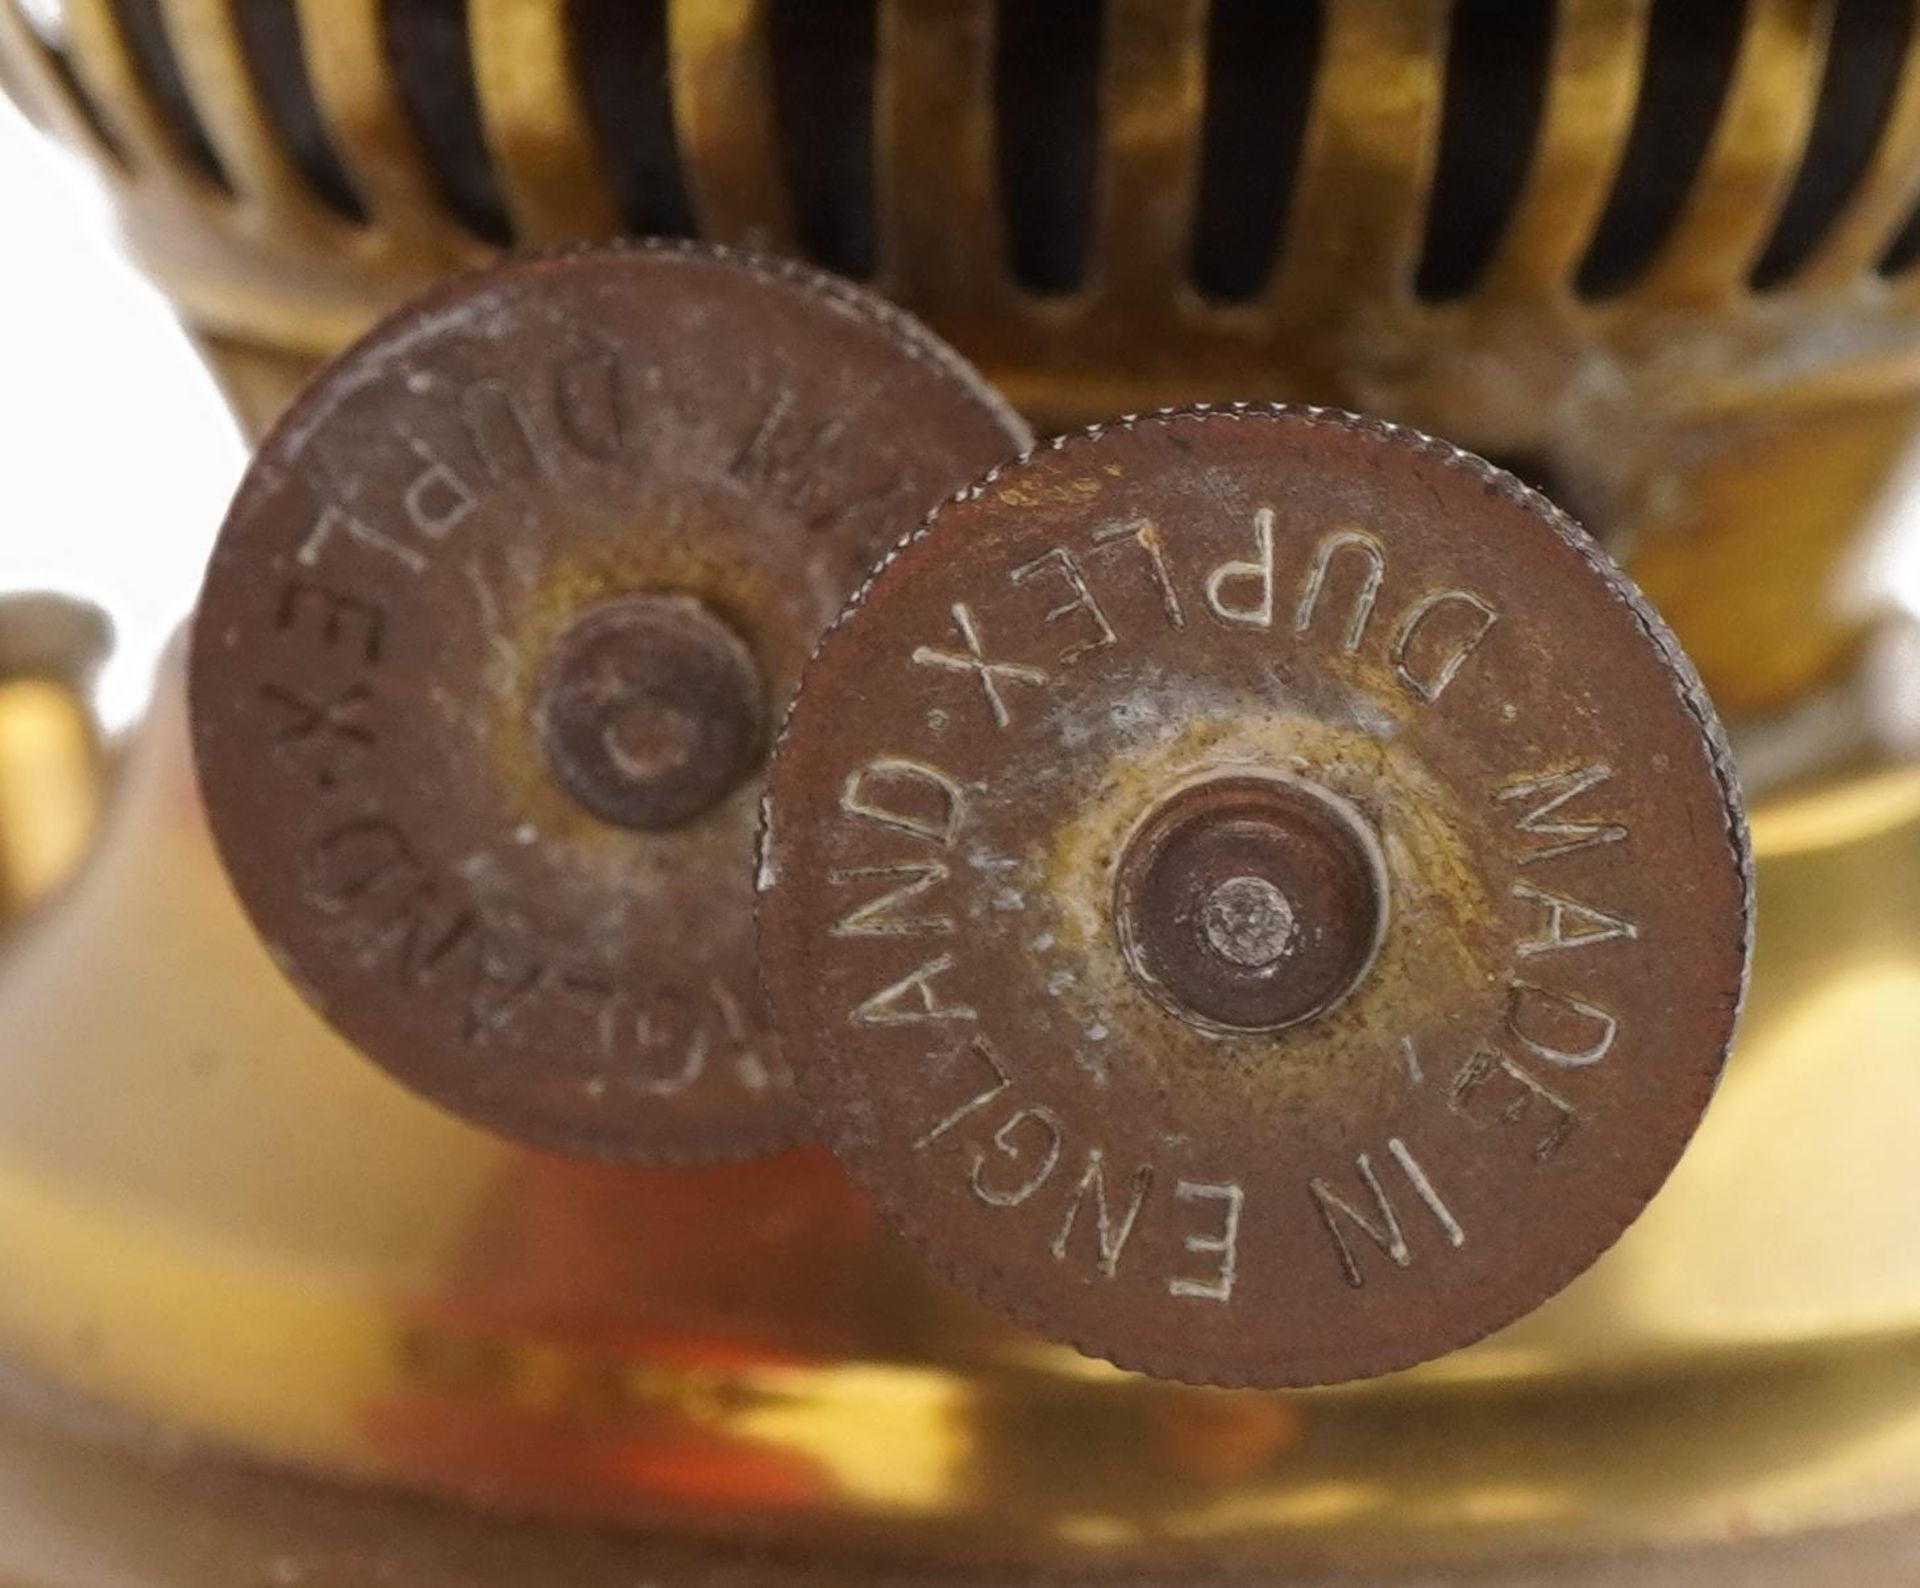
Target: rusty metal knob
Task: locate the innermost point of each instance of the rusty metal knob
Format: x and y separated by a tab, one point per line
490	649
1254	894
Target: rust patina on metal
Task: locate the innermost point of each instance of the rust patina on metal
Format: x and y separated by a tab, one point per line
488	652
1280	907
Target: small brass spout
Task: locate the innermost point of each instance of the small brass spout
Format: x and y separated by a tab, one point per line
50	753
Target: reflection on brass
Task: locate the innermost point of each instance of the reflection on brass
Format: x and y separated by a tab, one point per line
1655	254
50	769
49	786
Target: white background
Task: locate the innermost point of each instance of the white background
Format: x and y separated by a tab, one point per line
116	454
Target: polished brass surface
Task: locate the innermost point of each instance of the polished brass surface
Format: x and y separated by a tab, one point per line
74	1512
50	753
49	788
355	1284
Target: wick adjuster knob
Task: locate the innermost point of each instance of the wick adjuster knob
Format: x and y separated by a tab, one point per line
489	654
1279	908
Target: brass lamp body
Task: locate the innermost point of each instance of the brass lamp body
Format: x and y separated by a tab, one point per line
237	1252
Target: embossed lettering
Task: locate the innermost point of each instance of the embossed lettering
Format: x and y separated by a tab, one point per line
689	1032
333	727
1542	798
792	461
507	975
1258	614
748	1066
1570	924
590	401
824	502
1224	1246
499	430
983	1050
1079	599
913	1000
1410	1062
438	501
756	458
878	917
351	860
1145	534
1383	1227
1111	1233
357	530
1373	562
371	618
368	857
1437	636
1528	1093
1006	1139
990	674
690	1048
1555	1026
910	796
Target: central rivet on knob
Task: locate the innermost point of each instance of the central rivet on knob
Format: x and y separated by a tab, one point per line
1249	921
651	739
651	711
1250	901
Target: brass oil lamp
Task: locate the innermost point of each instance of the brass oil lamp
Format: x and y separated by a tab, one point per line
271	1318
